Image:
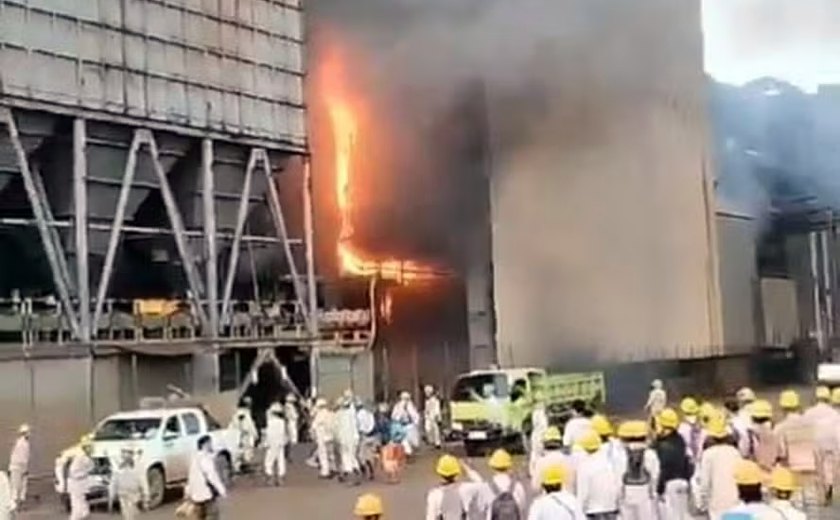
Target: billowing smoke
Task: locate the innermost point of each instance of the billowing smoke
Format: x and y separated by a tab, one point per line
598	150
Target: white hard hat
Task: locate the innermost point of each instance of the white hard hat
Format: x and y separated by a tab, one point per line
290	398
275	407
23	428
405	396
348	394
428	389
657	383
321	402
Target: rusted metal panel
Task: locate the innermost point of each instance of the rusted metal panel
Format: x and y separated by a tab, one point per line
231	67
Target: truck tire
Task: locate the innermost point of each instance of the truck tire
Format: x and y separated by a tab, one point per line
225	468
157	487
473	448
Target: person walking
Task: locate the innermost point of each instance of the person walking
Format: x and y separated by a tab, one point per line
450	499
578	426
78	480
432	416
347	437
276	440
657	401
553	455
782	486
598	486
322	432
292	416
555	503
639	474
741	419
502	497
127	486
19	466
825	420
611	445
369	507
245	430
368	440
204	486
539	425
763	443
406	414
717	491
7	501
672	488
798	450
748	479
691	429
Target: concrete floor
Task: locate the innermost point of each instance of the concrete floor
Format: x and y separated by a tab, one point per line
304	496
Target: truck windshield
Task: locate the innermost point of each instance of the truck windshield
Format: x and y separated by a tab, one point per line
127	429
481	387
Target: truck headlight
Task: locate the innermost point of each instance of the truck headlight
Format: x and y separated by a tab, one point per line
458	427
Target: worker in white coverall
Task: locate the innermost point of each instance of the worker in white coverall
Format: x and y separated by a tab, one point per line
292	419
405	413
246	433
825	420
7	502
741	421
275	446
78	481
432	416
347	436
798	451
598	485
539	425
552	455
657	401
556	502
503	481
322	432
639	474
128	486
691	429
749	478
717	491
19	466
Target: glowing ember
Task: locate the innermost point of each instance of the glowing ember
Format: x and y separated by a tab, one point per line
344	129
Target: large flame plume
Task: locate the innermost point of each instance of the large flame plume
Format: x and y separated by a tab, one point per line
345	128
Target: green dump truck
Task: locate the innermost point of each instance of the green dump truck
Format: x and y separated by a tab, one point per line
493	407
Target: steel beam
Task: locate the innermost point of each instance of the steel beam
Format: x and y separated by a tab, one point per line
208	193
312	289
241	216
80	214
54	236
116	228
177	223
282	232
39	212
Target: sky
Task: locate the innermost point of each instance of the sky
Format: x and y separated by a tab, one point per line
794	40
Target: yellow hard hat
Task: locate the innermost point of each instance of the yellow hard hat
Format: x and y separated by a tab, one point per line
552	434
633	430
500	460
601	425
448	466
823	393
689	406
761	409
590	441
747	473
782	479
835	396
716	428
368	505
789	400
707	411
553	475
668	418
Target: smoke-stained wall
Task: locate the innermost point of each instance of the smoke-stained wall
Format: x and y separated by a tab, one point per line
603	243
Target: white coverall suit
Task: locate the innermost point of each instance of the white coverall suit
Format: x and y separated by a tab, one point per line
78	483
275	447
347	433
246	431
825	421
19	469
290	411
7	503
639	502
539	425
717	489
129	487
322	432
406	413
431	420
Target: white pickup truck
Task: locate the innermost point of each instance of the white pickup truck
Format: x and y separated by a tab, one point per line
163	439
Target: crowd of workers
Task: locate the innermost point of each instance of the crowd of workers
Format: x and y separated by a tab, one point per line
739	461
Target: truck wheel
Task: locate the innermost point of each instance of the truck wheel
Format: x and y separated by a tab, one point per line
473	448
225	468
157	487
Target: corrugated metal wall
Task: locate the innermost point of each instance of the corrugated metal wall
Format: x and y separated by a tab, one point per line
738	281
603	228
232	66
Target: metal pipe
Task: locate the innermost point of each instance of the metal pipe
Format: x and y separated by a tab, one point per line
208	200
116	227
826	265
40	218
187	261
812	241
241	215
80	214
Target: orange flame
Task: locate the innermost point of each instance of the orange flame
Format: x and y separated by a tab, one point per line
351	261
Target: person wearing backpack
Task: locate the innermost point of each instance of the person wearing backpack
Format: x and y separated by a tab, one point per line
555	503
598	486
672	488
450	500
640	473
502	497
